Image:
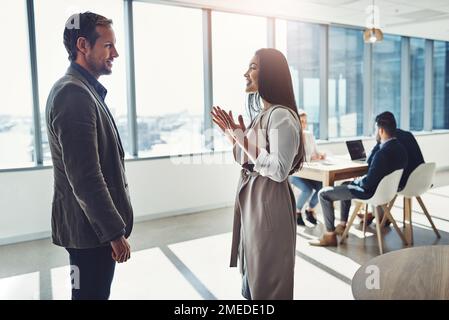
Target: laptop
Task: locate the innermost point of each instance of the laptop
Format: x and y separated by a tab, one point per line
356	150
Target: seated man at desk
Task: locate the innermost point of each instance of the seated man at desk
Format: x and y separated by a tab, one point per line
390	157
414	155
308	188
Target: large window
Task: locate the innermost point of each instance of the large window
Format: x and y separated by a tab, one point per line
16	121
441	85
300	42
51	16
387	76
169	74
169	79
235	39
417	48
345	82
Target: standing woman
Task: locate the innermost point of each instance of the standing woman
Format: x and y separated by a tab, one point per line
264	231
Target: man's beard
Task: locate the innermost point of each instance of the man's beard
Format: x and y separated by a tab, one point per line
377	137
99	69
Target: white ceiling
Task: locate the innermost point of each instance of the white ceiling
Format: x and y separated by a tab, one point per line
416	18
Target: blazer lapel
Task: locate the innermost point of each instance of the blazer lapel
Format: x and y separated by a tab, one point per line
105	109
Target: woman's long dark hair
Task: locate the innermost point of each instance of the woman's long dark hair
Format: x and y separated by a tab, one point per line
275	86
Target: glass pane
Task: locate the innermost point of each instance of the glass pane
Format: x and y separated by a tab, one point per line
169	79
387	76
16	120
441	85
345	82
300	42
235	39
51	16
417	48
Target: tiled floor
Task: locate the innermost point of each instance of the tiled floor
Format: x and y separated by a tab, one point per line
187	257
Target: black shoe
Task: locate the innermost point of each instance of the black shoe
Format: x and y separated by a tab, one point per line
310	217
299	220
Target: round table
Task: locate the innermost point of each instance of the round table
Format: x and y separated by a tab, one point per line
419	273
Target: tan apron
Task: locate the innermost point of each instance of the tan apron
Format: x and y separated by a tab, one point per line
264	230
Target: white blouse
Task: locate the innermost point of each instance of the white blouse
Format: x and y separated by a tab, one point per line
283	136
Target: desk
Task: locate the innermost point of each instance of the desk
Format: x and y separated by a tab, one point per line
340	169
414	273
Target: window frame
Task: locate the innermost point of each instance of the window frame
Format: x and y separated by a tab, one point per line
208	84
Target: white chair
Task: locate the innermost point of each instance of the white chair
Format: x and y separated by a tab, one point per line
418	183
385	192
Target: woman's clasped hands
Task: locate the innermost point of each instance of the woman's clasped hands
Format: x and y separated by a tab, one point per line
225	121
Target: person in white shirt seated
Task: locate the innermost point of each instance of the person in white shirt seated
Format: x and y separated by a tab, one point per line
309	188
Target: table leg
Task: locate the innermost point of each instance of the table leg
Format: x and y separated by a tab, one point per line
326	182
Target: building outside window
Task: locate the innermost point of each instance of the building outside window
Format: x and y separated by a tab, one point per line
441	85
346	49
300	43
16	110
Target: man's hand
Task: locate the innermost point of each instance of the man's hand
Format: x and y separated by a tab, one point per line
121	250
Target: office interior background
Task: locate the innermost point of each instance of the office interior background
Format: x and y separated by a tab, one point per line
177	59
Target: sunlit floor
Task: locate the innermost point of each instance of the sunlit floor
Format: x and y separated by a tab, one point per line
187	257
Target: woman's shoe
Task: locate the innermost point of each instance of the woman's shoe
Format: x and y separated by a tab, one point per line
299	220
310	217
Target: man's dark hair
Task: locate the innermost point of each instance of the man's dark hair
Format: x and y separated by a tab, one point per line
82	25
386	121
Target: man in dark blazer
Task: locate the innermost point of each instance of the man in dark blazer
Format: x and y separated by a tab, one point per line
414	155
390	157
92	215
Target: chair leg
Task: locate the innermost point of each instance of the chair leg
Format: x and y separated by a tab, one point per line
387	215
421	203
365	219
403	213
408	220
391	204
351	220
379	234
384	220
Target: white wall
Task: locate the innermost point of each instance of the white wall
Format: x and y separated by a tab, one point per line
158	188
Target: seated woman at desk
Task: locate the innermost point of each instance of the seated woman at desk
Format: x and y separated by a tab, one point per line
307	187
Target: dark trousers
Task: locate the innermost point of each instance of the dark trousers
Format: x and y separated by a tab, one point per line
327	197
95	268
